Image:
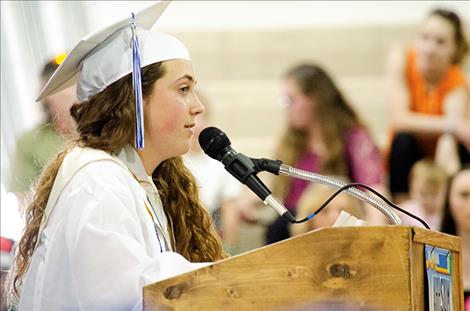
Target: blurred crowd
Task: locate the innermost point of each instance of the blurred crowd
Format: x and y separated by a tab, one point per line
425	168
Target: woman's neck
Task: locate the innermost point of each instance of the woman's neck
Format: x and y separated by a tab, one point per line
149	159
195	148
465	235
316	142
433	76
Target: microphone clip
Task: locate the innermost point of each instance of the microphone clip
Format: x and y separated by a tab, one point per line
239	165
268	165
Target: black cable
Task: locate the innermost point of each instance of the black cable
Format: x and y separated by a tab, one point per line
350	185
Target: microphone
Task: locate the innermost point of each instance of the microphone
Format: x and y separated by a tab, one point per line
217	145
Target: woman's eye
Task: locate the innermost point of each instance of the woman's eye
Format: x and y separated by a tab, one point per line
184	89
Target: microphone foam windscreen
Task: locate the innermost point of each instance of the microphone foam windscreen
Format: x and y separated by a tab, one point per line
213	141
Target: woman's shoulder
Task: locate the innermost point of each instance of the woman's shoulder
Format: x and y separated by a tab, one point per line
455	77
355	133
94	172
103	171
101	181
358	140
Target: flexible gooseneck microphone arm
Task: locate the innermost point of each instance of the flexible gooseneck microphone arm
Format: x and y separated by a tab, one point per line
325	180
276	167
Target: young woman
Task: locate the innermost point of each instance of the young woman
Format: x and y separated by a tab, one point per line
429	100
324	135
114	212
456	220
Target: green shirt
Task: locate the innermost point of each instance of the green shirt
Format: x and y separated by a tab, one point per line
34	150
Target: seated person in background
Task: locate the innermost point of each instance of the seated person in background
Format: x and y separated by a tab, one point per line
429	100
428	183
324	135
218	190
313	197
38	146
456	220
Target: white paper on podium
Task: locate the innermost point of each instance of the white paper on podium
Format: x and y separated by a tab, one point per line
346	220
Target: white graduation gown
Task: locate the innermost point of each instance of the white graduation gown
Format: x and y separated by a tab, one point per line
100	247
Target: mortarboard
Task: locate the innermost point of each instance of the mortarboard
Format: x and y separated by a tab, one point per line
105	56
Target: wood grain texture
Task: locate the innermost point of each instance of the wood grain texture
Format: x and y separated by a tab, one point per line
446	241
438	239
417	277
362	266
457	276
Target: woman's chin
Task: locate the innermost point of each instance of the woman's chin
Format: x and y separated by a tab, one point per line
185	149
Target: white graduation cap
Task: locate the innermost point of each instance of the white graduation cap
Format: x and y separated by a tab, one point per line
105	56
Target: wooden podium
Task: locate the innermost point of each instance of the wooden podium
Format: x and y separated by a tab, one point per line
376	268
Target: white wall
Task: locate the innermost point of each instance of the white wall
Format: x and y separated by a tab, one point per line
225	15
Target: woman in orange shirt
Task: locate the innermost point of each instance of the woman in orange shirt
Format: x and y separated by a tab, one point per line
430	100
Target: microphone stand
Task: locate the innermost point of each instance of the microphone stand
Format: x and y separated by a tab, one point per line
216	144
278	168
328	181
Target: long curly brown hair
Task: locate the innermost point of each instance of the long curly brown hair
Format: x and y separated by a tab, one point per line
103	122
337	116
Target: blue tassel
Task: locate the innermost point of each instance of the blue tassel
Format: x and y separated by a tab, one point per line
137	81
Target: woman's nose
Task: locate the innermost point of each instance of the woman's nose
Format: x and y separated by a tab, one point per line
197	107
429	46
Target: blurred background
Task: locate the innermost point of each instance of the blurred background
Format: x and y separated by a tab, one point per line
239	51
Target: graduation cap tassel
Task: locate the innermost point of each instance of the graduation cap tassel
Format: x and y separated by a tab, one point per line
137	81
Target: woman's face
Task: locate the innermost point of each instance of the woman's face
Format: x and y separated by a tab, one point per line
435	45
59	105
170	110
431	199
460	200
300	107
202	122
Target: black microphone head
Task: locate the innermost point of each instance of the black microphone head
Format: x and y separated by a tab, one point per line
213	141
